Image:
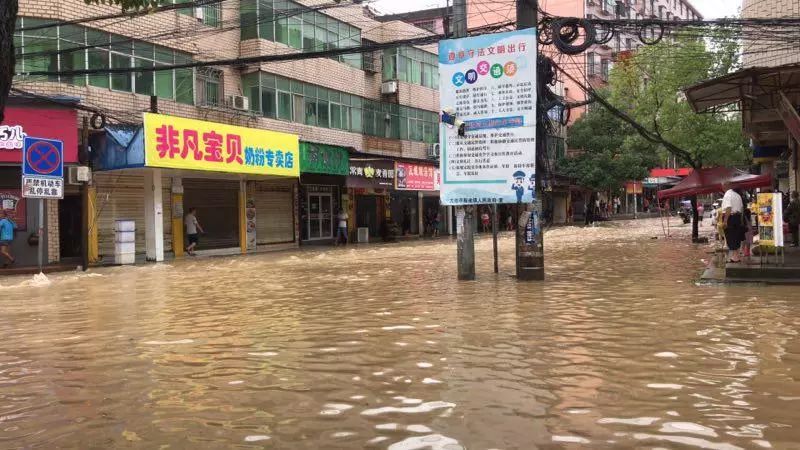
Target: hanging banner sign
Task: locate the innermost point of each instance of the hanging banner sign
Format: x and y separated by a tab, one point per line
488	90
178	143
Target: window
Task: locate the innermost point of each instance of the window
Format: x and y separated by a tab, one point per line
299	27
209	86
411	65
591	66
604	69
83	48
277	97
212	14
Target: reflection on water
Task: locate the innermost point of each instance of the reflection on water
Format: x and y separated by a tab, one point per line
380	347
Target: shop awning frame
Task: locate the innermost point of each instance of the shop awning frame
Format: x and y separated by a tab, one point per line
715	180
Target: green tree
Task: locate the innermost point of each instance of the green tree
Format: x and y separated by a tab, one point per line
8	20
648	87
606	160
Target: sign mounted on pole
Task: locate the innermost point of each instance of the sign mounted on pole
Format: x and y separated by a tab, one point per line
488	132
43	168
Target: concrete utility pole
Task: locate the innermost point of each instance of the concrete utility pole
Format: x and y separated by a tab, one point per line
465	215
530	257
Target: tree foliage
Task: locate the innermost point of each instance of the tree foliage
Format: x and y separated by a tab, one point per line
648	86
606	160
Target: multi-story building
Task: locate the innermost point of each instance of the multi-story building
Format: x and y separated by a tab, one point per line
355	116
595	64
765	91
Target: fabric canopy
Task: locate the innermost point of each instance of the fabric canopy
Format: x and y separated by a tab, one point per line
707	181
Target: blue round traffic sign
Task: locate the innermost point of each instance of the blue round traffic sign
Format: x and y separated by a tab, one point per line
43	157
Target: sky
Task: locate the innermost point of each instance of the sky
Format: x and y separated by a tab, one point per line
710	9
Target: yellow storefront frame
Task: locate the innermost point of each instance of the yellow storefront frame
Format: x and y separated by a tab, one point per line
179	143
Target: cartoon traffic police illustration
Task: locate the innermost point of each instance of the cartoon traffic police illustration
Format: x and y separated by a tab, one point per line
519	184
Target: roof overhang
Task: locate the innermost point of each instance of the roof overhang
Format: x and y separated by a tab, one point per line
758	93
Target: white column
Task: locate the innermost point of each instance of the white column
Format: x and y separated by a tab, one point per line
153	215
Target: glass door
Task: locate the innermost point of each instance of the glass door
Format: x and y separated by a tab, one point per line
320	216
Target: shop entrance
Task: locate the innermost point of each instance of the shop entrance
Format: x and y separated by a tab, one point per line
217	203
367	213
320	216
69	226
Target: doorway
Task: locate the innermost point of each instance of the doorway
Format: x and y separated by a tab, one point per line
367	213
70	234
320	216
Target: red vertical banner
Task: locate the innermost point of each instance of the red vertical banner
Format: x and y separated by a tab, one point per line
13	204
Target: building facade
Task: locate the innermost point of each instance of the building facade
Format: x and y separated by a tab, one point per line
382	104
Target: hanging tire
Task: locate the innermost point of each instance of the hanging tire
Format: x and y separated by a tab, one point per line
654	41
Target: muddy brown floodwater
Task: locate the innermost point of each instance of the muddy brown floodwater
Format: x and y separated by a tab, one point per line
381	347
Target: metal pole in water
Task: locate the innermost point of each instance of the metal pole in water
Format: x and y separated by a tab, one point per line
41	233
494	236
530	245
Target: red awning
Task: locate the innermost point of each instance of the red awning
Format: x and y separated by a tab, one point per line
665	173
707	181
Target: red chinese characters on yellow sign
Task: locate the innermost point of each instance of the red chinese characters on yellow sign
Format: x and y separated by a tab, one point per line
174	142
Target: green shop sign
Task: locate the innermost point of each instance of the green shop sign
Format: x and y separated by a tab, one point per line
326	159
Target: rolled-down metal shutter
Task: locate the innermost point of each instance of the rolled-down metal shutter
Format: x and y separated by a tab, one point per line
274	202
217	203
121	196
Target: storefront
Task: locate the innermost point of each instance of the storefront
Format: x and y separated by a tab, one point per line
415	202
323	175
242	182
369	184
62	218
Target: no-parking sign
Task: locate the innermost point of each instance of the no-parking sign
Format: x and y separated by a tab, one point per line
43	168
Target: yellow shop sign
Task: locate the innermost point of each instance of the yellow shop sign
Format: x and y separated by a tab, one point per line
178	143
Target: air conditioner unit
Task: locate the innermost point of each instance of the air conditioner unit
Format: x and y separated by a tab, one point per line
78	174
433	151
239	102
389	87
198	14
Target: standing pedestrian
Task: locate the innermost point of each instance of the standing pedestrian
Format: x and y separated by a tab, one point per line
510	222
733	221
435	223
793	217
485	220
192	228
341	229
406	220
7	228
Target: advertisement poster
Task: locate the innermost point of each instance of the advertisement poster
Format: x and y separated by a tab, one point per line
488	91
770	220
14	205
250	215
178	143
415	177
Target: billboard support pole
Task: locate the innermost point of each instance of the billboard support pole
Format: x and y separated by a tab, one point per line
530	242
465	215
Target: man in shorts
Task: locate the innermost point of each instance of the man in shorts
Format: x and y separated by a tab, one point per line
192	227
7	227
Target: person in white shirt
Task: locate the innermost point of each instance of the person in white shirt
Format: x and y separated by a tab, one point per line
732	219
341	230
192	227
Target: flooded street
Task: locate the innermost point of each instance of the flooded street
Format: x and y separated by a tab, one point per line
381	347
